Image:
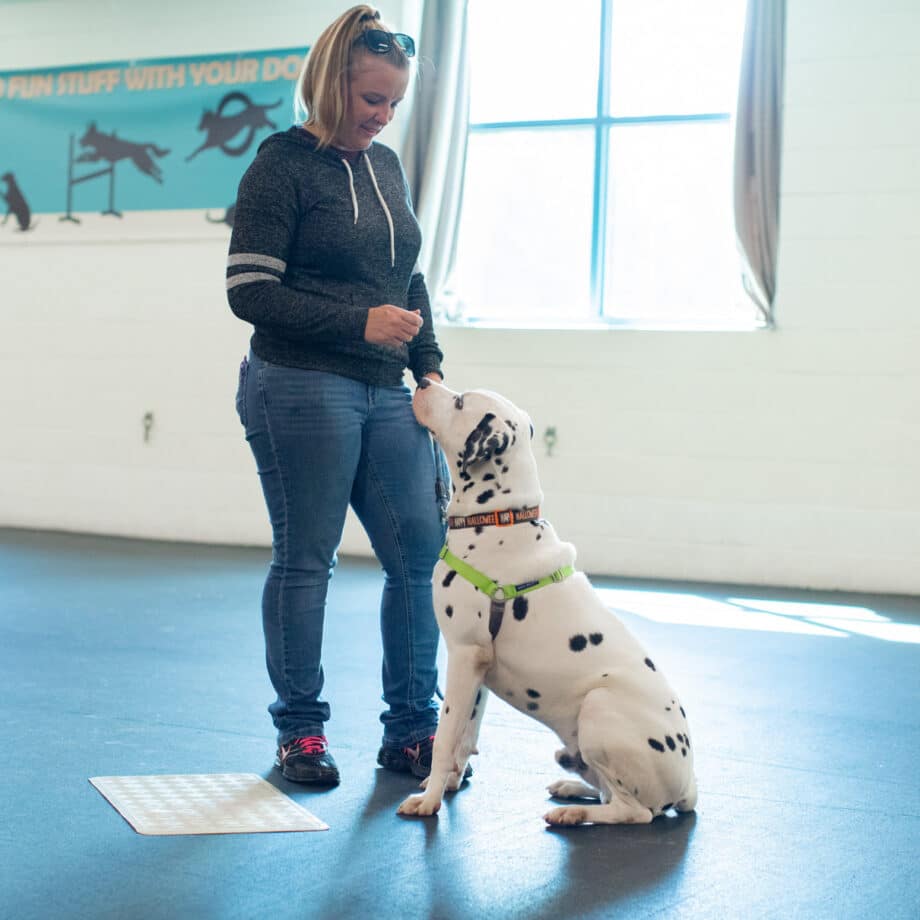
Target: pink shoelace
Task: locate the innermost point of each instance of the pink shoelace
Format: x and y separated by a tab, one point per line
312	744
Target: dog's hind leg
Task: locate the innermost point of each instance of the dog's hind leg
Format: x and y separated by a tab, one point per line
466	667
615	811
572	789
596	729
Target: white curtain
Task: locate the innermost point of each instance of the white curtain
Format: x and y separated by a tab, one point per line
758	147
434	153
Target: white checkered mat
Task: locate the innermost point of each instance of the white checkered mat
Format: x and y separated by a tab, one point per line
209	803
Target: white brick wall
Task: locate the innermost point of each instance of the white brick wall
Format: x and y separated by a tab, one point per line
783	458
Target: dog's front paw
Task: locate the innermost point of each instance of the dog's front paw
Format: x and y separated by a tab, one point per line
421	805
566	815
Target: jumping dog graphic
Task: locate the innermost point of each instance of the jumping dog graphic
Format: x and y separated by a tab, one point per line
221	128
112	149
16	203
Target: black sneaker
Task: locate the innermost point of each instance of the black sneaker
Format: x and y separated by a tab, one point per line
415	760
307	760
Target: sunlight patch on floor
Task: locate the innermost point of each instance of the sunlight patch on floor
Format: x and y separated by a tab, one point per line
838	620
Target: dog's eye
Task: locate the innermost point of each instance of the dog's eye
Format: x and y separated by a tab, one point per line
458	402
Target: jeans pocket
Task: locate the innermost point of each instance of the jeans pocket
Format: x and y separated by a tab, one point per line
241	391
442	479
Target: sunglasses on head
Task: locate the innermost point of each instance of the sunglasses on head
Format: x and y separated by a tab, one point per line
381	42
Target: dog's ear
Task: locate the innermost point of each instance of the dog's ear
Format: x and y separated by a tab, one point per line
484	442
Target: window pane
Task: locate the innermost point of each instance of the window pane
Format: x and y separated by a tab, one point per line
533	61
675	57
671	253
524	251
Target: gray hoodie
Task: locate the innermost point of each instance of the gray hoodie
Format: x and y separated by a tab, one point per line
317	241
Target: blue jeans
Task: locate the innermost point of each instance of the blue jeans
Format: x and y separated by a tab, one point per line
322	441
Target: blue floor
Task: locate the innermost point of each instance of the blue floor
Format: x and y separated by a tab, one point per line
133	657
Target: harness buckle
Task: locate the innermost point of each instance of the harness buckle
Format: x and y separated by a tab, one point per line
497	519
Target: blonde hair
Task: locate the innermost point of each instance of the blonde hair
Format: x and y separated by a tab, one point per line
322	88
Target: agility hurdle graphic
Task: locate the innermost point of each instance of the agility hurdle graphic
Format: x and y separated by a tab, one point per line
112	149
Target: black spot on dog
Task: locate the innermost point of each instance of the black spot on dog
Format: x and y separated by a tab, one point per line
505	469
533	707
682	712
488	477
655	745
539	536
479	446
619	782
446	709
449	610
483	497
667	708
519	607
683	751
670	742
533	694
687	740
479	614
605	675
478	696
473	716
578	643
596	638
469	486
501	542
506	491
680	737
472	546
566	761
478	530
650	664
448	578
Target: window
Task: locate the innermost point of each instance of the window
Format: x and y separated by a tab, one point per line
599	174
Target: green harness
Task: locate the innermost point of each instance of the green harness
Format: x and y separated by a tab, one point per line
499	594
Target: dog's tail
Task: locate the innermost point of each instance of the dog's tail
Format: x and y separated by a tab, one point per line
688	802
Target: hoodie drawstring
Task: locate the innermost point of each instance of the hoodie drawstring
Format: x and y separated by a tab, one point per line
351	186
386	210
383	204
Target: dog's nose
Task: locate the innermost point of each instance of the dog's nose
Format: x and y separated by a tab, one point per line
424	383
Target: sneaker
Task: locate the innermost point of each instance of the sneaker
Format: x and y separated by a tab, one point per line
415	760
307	760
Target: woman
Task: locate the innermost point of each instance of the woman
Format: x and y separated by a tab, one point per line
323	265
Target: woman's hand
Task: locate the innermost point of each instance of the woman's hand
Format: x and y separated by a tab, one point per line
390	325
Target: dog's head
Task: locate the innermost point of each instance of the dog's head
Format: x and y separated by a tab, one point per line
487	442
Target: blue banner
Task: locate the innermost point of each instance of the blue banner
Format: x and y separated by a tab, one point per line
152	135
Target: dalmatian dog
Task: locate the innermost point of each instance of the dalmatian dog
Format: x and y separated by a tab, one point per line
542	640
